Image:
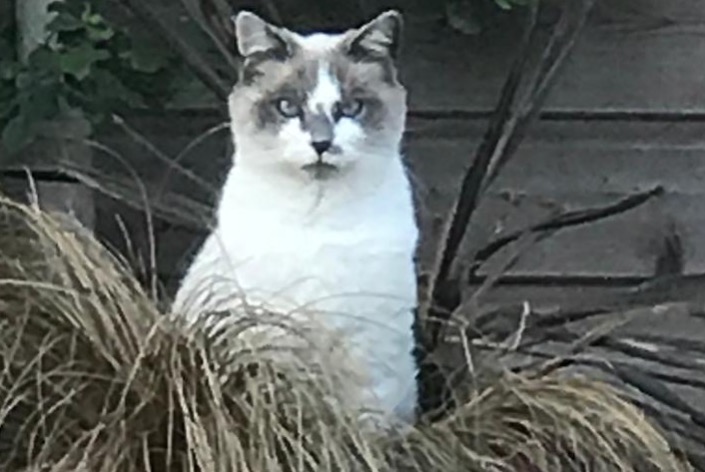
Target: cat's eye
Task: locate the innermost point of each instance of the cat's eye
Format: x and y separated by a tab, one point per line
288	108
350	108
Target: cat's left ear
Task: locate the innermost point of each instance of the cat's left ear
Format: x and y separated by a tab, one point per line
254	35
380	37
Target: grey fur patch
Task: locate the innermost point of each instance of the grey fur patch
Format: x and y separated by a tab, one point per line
319	125
292	79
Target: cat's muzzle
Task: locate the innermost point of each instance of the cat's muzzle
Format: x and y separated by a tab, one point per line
320	170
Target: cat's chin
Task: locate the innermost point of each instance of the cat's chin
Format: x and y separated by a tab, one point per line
320	170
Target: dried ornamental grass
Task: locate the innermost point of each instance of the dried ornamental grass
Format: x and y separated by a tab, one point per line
95	378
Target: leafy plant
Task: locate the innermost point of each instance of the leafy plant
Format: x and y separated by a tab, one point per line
85	63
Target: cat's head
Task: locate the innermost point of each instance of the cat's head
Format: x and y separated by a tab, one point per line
321	104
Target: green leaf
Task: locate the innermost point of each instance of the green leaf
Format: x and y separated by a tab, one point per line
98	34
17	134
64	22
41	102
71	7
110	91
187	90
8	103
79	60
7	50
146	58
503	4
90	18
9	70
43	59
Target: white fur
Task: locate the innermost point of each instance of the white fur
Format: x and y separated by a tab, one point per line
319	42
327	91
341	248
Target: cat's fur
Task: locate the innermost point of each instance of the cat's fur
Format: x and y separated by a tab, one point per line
335	238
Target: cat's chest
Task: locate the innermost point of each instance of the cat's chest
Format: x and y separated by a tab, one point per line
304	265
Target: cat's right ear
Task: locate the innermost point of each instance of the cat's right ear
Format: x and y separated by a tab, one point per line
254	36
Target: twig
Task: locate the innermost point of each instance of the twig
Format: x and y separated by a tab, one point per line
559	47
144	195
670	377
649	355
142	140
645	380
214	18
519	335
670	260
178	210
566	220
657	390
175	163
674	341
675	425
555	319
524	243
503	136
469	195
647	295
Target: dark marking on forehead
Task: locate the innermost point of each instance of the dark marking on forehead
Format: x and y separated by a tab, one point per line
292	79
380	64
372	80
365	69
249	69
270	72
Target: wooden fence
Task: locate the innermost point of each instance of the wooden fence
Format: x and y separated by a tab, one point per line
627	115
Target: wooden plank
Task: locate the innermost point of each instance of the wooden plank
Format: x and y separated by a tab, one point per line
561	165
61	139
634	55
150	167
577	165
126	231
57	195
669	321
544	294
148	148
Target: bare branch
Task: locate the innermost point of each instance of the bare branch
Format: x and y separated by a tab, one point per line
469	195
506	130
566	220
562	41
214	18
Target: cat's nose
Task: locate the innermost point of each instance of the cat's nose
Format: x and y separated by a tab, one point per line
321	146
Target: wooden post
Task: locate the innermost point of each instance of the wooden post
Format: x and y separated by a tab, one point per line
60	139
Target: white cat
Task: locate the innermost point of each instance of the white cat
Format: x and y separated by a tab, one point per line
316	214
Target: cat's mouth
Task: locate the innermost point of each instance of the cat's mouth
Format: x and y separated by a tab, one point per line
320	170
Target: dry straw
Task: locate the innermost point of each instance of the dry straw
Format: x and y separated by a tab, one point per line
95	378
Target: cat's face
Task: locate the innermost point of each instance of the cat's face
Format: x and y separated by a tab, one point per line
321	105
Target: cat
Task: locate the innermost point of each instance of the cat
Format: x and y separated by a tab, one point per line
316	212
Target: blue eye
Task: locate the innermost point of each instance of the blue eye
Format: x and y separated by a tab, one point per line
288	108
350	108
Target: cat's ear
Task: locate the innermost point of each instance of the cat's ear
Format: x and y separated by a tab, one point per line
254	35
380	37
